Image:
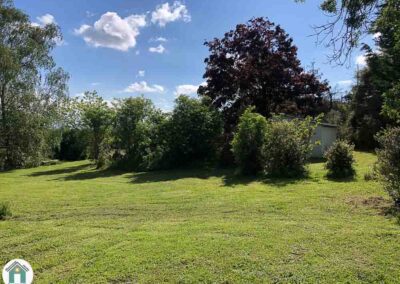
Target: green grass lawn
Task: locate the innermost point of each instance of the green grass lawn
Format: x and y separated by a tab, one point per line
75	224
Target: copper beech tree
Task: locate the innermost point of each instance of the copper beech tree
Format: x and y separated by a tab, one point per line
256	65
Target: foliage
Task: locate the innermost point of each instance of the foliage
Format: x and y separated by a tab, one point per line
136	134
340	115
97	117
340	160
366	105
349	21
288	145
248	142
31	88
389	162
5	210
74	145
391	107
192	132
256	65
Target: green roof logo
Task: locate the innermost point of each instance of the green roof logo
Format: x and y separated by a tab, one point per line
17	271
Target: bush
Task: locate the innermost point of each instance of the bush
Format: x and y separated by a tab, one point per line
389	162
192	132
5	210
288	146
340	160
137	134
73	146
248	141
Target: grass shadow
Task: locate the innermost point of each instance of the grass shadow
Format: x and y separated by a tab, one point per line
341	179
229	177
175	174
60	171
93	174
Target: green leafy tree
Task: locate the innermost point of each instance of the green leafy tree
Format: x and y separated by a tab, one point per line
137	134
349	21
248	142
288	145
97	117
29	105
192	132
340	160
388	162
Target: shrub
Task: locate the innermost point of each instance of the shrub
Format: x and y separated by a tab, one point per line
137	134
74	145
340	160
248	142
5	210
288	146
192	132
372	174
389	162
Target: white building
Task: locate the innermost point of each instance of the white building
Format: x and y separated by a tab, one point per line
326	134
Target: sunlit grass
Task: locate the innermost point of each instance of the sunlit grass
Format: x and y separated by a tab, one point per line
75	224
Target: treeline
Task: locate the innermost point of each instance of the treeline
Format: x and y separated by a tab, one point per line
133	134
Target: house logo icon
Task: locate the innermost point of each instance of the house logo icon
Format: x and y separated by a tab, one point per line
17	271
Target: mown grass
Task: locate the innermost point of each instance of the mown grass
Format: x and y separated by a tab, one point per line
75	224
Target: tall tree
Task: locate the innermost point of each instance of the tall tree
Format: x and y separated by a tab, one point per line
256	65
31	88
349	21
97	117
376	97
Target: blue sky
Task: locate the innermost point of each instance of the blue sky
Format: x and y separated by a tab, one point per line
156	47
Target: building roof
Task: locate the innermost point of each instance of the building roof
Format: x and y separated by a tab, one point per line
16	263
328	125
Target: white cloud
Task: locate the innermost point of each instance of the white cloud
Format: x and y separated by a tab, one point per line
46	19
167	13
158	39
95	83
187	89
159	49
361	60
142	88
345	83
141	73
90	14
112	31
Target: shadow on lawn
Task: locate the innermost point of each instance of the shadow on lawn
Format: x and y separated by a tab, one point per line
60	171
228	176
93	174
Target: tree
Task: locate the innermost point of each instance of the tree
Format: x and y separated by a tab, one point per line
288	145
137	134
97	117
388	162
248	142
349	21
366	106
31	88
192	132
256	65
375	100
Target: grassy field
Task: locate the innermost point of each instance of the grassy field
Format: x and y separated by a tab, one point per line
78	225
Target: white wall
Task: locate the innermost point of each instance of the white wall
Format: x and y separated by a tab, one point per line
326	135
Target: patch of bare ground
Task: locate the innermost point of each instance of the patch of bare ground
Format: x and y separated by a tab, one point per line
382	205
